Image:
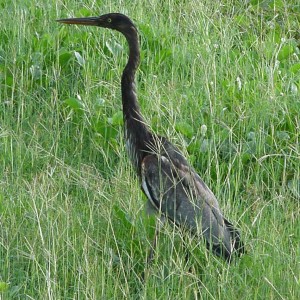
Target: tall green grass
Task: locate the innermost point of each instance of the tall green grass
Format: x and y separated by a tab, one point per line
221	80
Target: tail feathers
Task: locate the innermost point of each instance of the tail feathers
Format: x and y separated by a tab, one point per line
232	243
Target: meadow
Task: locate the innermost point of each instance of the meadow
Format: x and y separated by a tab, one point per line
220	79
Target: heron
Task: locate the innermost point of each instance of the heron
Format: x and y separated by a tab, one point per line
170	183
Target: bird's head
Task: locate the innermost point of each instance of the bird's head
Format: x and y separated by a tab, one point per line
114	21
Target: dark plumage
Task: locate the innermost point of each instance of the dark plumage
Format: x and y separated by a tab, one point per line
169	182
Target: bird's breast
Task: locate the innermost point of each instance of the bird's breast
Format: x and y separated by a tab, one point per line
131	149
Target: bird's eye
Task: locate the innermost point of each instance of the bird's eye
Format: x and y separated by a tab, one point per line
109	20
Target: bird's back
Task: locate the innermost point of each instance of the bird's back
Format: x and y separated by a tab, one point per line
177	191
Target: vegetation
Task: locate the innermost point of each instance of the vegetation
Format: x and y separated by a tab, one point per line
219	79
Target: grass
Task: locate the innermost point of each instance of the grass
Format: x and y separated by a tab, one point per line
222	81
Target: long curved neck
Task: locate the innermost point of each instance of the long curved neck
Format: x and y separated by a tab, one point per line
136	132
129	98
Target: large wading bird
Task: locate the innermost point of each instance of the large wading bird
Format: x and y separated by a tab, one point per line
172	186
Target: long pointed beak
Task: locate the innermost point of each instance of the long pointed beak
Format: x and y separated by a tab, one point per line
90	21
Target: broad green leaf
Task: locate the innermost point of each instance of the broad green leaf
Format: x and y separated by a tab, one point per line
295	68
242	20
285	52
246	157
9	81
194	146
117	119
185	129
276	4
106	130
74	103
3	286
84	12
64	57
122	217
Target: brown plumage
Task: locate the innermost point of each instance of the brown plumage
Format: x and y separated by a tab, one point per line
169	182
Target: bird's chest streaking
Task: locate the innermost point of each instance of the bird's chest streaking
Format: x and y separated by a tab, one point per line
132	151
135	136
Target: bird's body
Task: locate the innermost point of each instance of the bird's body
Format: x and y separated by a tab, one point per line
172	186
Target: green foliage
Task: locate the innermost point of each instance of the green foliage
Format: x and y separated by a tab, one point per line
3	287
75	104
220	80
184	128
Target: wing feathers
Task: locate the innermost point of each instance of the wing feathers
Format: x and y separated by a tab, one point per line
180	194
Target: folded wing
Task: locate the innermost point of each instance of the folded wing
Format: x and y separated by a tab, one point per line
180	194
